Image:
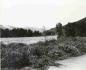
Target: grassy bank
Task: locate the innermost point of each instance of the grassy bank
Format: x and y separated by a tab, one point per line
40	55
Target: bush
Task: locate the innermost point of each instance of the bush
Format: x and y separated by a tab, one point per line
41	55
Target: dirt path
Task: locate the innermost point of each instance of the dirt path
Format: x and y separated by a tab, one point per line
75	63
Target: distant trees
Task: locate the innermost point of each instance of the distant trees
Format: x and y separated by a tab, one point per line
29	33
47	32
37	33
19	32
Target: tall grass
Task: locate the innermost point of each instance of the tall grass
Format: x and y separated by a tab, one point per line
41	55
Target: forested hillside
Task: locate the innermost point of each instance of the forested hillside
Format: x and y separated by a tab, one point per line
76	28
73	29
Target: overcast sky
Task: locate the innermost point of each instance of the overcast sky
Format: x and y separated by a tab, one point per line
38	13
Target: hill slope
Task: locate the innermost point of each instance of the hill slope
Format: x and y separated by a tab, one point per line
77	28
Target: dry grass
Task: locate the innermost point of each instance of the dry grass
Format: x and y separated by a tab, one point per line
40	55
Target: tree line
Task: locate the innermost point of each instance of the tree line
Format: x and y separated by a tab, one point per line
19	32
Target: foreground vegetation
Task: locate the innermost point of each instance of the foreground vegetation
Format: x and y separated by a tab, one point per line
41	55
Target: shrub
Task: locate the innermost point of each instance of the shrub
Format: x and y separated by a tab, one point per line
41	55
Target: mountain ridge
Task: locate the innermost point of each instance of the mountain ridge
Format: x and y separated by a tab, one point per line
11	27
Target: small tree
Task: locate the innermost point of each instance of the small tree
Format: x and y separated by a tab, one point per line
59	30
44	33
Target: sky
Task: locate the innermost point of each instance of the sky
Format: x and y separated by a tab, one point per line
39	13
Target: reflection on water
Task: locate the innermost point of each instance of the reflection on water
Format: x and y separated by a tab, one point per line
27	40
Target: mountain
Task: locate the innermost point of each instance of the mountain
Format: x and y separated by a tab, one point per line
77	28
81	21
31	28
34	29
2	27
53	30
7	27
